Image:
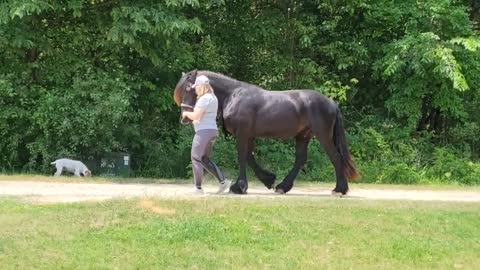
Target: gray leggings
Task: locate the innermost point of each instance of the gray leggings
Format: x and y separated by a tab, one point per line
201	147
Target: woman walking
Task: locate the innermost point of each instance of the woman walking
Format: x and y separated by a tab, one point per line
206	132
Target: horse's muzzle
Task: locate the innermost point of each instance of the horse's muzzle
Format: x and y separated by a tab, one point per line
185	120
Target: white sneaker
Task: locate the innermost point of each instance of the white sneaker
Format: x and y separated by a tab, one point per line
226	184
198	191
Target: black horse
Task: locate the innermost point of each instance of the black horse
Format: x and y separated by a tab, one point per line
248	112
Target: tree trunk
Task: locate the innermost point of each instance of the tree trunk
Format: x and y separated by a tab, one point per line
32	56
475	13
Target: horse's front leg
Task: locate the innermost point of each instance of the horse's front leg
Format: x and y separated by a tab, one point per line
300	159
267	178
241	185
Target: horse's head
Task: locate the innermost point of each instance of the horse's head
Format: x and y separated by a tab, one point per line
184	94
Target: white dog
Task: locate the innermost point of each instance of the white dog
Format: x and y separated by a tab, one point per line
74	166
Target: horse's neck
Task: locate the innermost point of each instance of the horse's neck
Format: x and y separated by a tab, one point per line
222	93
223	87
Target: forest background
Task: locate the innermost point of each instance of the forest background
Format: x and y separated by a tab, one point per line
82	79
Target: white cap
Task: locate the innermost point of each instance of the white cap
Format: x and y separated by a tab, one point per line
202	79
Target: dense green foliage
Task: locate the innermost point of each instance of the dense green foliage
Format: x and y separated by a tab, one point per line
85	78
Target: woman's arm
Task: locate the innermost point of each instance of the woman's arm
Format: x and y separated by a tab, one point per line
196	114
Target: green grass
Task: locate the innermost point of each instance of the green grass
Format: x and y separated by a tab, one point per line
236	233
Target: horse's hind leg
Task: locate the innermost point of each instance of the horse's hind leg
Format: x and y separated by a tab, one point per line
267	178
301	150
326	140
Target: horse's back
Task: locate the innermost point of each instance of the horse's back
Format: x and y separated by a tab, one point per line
280	114
309	100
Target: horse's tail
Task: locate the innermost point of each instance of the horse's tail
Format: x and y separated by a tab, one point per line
348	166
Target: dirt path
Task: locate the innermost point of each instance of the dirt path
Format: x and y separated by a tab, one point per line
53	192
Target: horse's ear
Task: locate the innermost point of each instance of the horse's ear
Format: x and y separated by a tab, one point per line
194	73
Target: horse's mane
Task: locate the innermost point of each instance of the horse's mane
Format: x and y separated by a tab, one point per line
231	82
218	75
227	81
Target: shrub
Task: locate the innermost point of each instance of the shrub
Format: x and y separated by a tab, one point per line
448	167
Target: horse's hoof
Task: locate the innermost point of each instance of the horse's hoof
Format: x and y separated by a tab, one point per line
236	193
338	194
271	181
279	191
237	190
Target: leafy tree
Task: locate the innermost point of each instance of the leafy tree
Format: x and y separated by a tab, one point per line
82	78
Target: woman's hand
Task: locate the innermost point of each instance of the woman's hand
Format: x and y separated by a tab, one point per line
195	115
